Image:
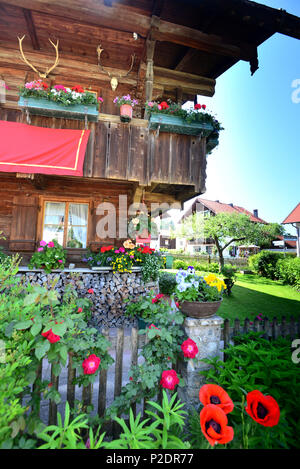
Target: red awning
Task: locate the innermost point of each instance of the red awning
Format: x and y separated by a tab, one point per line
30	149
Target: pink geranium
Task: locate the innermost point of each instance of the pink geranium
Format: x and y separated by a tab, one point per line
40	249
60	261
50	244
43	243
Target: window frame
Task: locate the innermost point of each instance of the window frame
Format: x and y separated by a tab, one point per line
67	201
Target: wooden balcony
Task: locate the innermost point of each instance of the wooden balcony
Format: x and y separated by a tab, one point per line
162	163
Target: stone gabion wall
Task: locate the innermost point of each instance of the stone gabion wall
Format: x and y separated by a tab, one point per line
110	291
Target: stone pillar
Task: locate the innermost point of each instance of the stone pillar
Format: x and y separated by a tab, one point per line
206	332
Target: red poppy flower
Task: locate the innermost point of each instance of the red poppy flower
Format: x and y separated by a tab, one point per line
169	379
49	335
213	422
91	364
214	394
189	348
263	409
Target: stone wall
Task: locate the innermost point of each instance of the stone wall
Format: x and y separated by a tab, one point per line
110	290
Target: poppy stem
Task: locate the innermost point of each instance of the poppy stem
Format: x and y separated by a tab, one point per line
245	436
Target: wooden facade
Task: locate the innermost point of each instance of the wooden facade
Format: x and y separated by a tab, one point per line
179	48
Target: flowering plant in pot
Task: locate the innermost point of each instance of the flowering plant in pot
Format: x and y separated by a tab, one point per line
198	296
49	256
126	104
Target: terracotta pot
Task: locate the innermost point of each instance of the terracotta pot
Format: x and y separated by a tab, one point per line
199	309
125	112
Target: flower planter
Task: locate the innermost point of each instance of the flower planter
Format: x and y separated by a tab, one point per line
175	124
199	309
125	113
44	107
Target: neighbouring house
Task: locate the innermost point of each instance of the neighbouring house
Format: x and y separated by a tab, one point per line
294	219
56	171
211	208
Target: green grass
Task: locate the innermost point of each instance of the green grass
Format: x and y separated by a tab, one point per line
252	295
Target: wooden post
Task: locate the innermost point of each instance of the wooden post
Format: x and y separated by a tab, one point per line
246	326
118	370
134	356
36	389
283	327
274	328
102	385
52	405
266	327
226	333
70	385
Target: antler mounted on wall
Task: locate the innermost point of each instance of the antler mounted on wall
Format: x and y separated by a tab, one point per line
114	79
41	75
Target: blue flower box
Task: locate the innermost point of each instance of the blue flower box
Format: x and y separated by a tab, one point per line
177	125
44	107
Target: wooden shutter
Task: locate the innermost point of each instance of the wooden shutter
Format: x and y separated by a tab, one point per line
24	223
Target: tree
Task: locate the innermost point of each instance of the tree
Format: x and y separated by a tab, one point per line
226	229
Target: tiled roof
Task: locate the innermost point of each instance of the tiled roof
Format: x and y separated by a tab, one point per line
219	207
294	216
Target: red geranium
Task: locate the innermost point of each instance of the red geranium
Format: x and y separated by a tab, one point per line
49	335
203	106
214	394
91	364
157	298
197	106
79	310
263	409
78	89
164	105
106	248
189	348
213	422
90	290
169	379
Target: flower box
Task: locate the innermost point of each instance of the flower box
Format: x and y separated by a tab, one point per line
175	124
44	107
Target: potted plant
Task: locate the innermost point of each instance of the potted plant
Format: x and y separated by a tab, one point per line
126	104
49	256
59	101
146	308
198	296
229	273
171	117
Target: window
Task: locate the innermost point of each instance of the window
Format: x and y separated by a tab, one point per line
67	222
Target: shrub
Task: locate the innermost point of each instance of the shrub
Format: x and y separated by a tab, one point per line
288	270
264	263
167	283
180	264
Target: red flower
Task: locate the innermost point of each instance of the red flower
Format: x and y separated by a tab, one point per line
213	422
263	409
106	248
177	304
197	106
169	379
78	89
51	337
153	326
91	291
214	394
203	106
79	310
157	298
164	105
130	378
44	85
91	364
189	348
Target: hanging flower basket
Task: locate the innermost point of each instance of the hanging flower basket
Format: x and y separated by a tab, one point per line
44	107
199	309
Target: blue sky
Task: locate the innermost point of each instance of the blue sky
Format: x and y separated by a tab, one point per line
257	163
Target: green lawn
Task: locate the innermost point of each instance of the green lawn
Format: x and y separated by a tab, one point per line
252	294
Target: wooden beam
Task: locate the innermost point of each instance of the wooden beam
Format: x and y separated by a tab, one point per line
195	39
31	29
189	83
186	59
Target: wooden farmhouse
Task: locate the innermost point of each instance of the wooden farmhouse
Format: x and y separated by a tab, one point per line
153	50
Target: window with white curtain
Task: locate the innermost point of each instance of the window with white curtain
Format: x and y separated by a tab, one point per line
67	222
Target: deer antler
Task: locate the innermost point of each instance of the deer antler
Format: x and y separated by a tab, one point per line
114	79
41	75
